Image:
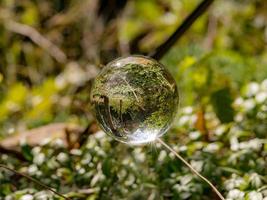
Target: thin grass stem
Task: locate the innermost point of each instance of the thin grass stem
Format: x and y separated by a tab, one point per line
34	181
191	168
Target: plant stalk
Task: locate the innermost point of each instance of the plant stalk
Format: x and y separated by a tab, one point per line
191	168
34	181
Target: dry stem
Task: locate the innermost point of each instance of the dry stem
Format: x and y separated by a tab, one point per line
191	168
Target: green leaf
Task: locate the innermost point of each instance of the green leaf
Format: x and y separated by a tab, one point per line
222	104
26	151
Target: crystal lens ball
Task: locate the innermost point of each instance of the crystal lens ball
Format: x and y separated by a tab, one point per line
134	99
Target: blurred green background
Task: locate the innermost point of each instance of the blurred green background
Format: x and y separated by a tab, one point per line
51	51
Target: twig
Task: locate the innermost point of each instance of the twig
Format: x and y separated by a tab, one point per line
165	47
191	168
34	181
37	38
211	32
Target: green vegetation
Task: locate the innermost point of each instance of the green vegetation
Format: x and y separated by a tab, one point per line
50	52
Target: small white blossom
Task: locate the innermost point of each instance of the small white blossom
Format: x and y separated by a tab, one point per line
99	134
36	150
197	165
264	85
239	117
26	197
234	182
187	110
184	119
86	159
239	101
254	144
194	135
58	143
62	157
236	194
255	196
234	143
32	169
212	147
220	130
43	195
255	180
183	148
252	89
39	159
261	97
162	155
76	152
139	155
249	104
130	180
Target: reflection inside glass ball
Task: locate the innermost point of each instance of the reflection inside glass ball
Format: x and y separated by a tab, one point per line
134	99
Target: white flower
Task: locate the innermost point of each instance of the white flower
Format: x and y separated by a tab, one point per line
255	196
26	197
43	195
76	152
255	180
197	165
36	150
261	97
239	101
130	180
183	120
234	182
252	89
139	155
212	147
220	130
39	159
86	159
264	85
183	148
239	117
81	171
236	194
32	169
255	144
249	104
58	143
100	134
162	155
194	135
234	143
188	110
62	157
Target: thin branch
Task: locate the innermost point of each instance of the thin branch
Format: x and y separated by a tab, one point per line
37	38
211	32
191	168
34	181
165	47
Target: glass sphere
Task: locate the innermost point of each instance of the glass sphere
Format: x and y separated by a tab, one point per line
134	99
